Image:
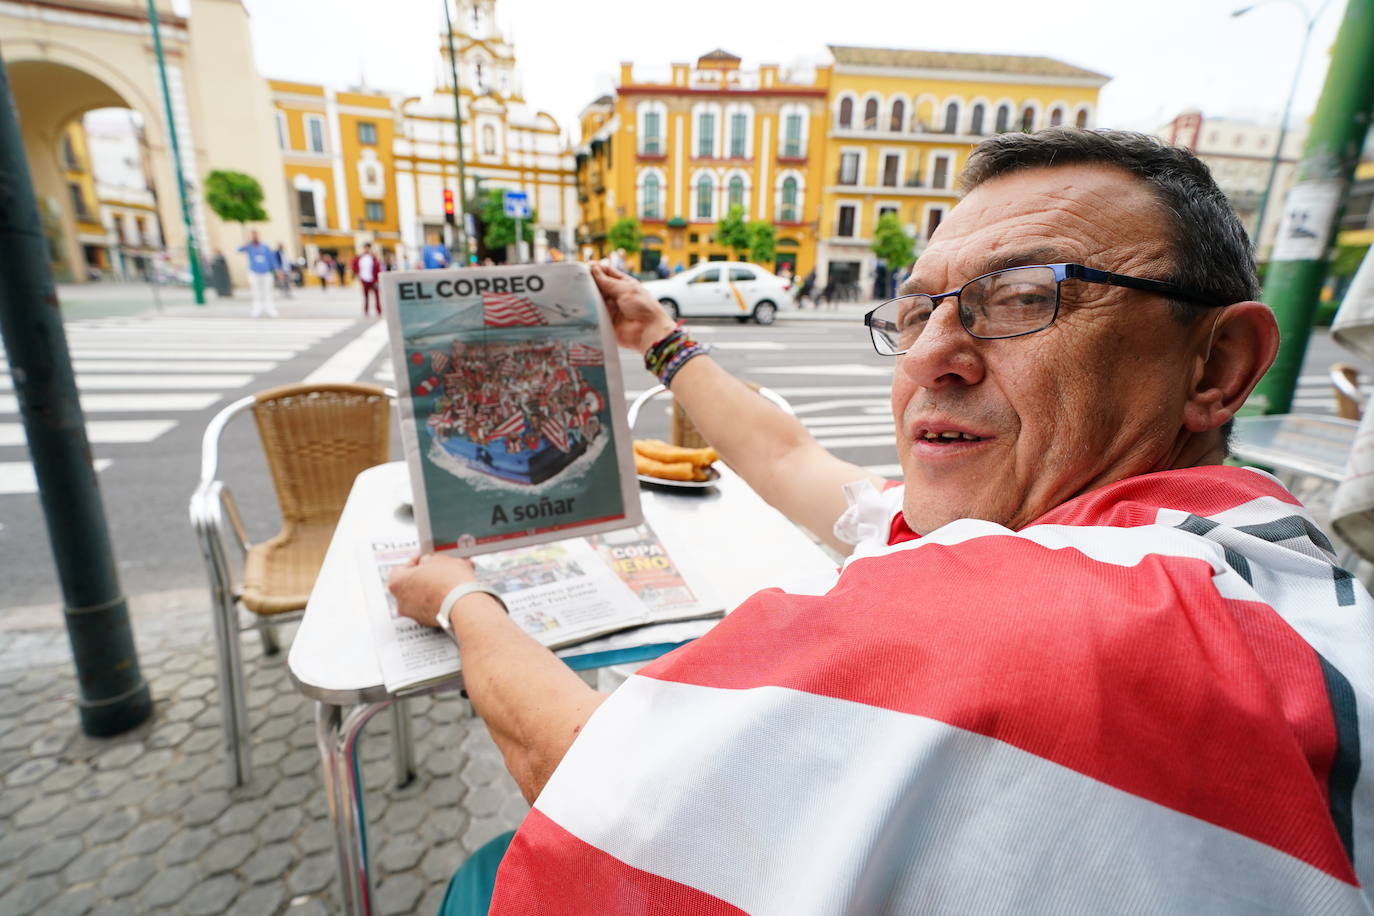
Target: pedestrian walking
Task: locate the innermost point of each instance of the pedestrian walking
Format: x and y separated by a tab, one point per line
262	268
807	288
367	267
283	270
434	256
324	269
341	268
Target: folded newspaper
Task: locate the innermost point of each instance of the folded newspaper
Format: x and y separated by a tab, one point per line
511	406
566	593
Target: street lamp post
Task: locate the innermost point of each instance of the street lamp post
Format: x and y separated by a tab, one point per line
1309	20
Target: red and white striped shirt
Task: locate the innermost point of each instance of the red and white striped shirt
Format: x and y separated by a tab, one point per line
1156	698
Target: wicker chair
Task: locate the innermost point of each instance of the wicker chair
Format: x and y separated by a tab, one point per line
1345	388
681	429
316	439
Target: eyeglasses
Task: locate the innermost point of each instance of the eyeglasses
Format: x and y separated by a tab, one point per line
1005	303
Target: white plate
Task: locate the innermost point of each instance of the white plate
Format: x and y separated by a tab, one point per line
712	475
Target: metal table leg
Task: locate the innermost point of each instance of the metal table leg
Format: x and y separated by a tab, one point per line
337	736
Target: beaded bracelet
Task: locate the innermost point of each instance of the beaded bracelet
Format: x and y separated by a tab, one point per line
667	356
680	359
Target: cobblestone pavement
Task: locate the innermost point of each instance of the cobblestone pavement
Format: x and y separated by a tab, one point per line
146	822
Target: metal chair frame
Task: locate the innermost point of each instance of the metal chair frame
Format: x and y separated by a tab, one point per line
214	514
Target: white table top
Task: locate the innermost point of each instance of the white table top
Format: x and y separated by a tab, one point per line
724	539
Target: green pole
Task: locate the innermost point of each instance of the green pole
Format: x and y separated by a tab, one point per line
462	259
197	278
114	697
1297	264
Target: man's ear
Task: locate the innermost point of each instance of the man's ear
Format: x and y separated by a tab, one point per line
1243	343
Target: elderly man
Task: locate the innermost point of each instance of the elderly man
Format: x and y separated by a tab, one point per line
1073	663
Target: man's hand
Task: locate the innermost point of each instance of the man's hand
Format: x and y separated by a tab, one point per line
420	585
636	317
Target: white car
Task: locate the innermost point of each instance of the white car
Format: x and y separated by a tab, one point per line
724	289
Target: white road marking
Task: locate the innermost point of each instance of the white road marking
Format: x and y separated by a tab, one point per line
231	355
130	382
173	365
130	403
100	432
853	369
857	441
351	361
17	476
868	404
864	429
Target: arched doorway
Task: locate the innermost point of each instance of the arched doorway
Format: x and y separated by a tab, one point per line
52	97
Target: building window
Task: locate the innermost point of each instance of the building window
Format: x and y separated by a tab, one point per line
305	205
706	135
891	165
367	133
939	172
651	138
1082	119
705	191
79	207
1056	116
933	217
792	143
788	212
952	118
844	228
1028	119
884	211
488	140
871	114
975	126
1003	119
651	197
374	211
846	112
69	160
898	116
314	130
849	168
283	138
738	133
736	191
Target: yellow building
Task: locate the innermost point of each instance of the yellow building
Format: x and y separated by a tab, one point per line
367	166
337	152
900	125
677	151
79	177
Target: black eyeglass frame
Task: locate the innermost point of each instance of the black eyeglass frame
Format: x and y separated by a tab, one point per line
1062	272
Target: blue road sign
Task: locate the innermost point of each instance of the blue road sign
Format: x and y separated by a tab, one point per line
516	204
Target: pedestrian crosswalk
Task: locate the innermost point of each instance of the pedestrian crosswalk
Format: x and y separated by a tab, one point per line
140	377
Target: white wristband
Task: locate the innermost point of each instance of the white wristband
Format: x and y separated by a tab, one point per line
457	594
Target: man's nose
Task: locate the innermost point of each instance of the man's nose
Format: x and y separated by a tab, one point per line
945	353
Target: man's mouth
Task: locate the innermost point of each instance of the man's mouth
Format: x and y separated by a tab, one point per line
946	436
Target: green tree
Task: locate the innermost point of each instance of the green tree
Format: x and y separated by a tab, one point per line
625	233
763	242
235	197
892	244
733	233
498	228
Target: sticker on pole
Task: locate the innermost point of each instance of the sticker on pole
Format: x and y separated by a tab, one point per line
516	204
1305	230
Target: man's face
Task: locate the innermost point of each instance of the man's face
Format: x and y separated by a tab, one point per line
253	237
1096	397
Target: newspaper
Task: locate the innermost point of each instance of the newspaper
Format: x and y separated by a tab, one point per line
511	406
564	593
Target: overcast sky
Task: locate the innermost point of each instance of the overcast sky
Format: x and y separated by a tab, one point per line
1163	56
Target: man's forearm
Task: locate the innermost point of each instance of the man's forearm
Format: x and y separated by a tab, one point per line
533	704
771	449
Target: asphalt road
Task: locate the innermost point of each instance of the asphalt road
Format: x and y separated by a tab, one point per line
827	370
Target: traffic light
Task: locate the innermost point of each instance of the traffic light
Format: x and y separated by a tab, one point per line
448	206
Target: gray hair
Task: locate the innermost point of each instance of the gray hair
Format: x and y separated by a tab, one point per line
1211	251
